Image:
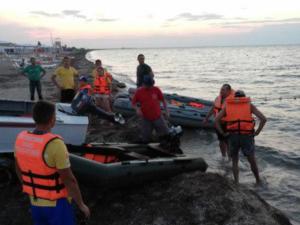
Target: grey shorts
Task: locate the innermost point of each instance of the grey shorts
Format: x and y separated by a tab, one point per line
147	126
241	141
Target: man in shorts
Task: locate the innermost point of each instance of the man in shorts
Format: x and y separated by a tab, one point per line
240	126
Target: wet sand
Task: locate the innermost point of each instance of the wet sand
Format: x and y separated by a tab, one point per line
187	199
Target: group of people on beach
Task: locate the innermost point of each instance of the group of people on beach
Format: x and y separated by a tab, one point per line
64	78
42	161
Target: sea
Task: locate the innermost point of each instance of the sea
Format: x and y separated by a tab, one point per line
270	75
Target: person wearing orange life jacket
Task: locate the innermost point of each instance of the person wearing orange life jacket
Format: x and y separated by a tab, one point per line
225	92
240	129
98	63
102	89
43	167
83	103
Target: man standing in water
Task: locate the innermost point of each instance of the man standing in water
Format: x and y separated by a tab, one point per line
225	93
240	125
34	73
66	75
142	70
43	167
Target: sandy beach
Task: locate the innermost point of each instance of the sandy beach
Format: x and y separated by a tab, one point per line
187	199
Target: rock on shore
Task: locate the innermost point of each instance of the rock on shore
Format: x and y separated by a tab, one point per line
188	199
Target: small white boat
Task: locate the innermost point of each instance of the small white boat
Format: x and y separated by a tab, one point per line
15	116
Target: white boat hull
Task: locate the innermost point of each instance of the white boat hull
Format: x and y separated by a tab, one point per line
72	128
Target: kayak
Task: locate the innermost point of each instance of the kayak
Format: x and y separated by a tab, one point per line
116	165
184	111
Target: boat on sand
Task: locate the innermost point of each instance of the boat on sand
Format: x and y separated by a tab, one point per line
116	165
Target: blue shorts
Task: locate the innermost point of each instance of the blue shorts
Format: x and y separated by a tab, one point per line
61	214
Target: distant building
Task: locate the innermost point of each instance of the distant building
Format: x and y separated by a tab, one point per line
57	45
7	47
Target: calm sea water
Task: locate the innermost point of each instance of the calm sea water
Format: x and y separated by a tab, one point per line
269	75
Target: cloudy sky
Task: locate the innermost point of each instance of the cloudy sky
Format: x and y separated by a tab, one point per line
155	23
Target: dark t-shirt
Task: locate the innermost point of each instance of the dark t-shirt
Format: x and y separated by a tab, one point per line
141	71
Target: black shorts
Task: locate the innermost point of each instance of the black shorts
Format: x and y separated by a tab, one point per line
243	142
220	136
67	95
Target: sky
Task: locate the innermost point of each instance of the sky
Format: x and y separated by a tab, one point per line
155	23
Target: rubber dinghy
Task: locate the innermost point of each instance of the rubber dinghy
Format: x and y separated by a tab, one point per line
115	165
184	111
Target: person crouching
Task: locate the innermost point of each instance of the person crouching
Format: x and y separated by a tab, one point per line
146	102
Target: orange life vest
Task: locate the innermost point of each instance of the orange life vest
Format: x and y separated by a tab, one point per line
196	105
239	116
87	86
102	84
101	158
39	180
219	105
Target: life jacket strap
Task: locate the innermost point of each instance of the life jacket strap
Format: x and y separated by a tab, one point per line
30	174
57	187
39	176
55	176
239	130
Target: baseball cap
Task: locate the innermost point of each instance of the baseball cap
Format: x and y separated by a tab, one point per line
148	80
83	78
240	93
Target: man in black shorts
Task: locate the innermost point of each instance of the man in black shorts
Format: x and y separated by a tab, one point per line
240	130
142	70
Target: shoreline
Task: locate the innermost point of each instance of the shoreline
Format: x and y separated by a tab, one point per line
186	199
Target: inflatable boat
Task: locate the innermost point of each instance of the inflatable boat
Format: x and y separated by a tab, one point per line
116	165
184	111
